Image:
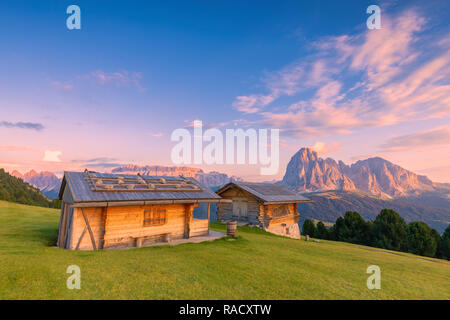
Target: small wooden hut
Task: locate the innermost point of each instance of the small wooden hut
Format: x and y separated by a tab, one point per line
101	210
269	206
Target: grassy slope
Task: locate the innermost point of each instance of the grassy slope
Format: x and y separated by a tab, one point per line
255	266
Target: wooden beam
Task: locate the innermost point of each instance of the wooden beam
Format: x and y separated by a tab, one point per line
81	238
187	230
62	227
89	227
209	205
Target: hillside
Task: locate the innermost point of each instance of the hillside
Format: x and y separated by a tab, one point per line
329	205
257	266
16	190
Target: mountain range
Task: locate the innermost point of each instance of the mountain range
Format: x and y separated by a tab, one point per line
49	183
16	190
307	172
366	186
45	181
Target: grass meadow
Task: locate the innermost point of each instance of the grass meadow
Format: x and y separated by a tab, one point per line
256	265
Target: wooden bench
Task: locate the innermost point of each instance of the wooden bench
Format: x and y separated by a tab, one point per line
140	240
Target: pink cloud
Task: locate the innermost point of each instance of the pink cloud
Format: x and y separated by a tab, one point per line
392	85
157	135
62	86
119	78
418	140
252	103
323	148
17	148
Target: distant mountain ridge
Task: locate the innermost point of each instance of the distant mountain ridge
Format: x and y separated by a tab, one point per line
17	190
45	181
306	172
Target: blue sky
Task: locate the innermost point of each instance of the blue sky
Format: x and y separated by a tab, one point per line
112	92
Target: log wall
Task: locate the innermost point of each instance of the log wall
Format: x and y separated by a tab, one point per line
226	211
123	227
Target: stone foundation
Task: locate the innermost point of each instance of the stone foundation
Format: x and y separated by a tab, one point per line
290	230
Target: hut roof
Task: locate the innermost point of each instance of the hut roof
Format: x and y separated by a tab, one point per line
89	187
268	193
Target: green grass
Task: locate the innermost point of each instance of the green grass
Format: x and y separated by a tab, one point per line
256	265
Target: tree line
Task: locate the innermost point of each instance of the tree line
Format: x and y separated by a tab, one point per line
388	231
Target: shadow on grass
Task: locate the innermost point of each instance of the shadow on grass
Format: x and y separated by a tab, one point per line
48	236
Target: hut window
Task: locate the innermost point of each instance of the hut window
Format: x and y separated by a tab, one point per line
154	217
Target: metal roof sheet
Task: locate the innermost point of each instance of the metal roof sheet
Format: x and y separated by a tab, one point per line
82	191
266	192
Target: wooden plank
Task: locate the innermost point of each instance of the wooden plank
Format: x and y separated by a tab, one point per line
209	209
89	204
63	227
68	228
188	213
89	227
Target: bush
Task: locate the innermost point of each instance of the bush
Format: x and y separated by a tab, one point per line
444	247
308	228
321	231
389	231
420	239
351	228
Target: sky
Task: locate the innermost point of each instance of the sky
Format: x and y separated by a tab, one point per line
113	92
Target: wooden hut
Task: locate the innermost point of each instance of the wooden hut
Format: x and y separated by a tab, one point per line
101	210
269	206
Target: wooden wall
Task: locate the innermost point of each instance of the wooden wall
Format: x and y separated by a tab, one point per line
120	227
281	219
199	227
78	227
225	210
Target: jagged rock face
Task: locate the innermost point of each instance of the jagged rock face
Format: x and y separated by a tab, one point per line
307	172
381	177
210	179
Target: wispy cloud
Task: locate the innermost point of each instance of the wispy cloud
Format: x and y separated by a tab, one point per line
17	148
323	148
375	78
283	82
22	125
432	137
157	135
118	78
98	163
62	86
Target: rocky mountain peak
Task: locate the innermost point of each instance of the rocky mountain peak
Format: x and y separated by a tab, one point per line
306	154
308	172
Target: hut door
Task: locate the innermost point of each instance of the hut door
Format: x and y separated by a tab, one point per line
240	209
